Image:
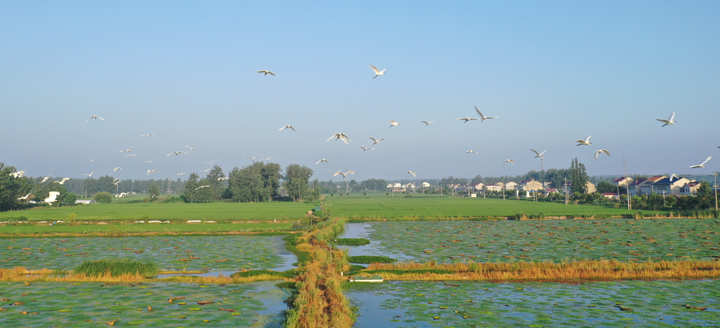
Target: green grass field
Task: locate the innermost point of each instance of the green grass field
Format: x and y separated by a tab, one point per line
355	206
422	206
168	211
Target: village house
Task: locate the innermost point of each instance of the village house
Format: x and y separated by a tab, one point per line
529	185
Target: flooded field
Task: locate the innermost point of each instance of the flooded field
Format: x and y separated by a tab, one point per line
548	240
216	253
484	304
45	304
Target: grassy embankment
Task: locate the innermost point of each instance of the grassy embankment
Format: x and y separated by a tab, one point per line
319	301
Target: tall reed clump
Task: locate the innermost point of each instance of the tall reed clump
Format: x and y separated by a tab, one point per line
584	269
117	268
320	301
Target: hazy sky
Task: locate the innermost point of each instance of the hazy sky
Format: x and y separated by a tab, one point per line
554	71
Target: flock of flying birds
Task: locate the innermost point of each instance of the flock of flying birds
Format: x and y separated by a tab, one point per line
342	136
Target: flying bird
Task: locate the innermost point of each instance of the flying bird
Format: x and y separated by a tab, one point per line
223	179
411	172
253	158
266	72
191	148
181	173
375	141
206	186
701	165
670	120
130	155
127	150
339	172
62	181
150	161
117	168
152	171
90	175
427	123
510	161
209	163
176	153
483	117
471	152
538	154
323	160
393	123
585	142
377	71
92	160
94	117
267	158
24	197
288	127
674	176
601	151
147	135
341	136
206	171
366	148
18	174
467	119
45	179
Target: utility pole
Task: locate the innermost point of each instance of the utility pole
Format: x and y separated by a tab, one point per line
715	173
566	192
169	189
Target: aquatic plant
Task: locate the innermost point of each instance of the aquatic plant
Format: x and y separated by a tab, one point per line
117	268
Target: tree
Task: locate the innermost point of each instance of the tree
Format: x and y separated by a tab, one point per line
578	176
103	197
606	187
190	193
296	180
216	184
11	188
154	191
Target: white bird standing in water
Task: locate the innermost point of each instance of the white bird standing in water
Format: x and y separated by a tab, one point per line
669	121
377	71
585	142
601	151
701	165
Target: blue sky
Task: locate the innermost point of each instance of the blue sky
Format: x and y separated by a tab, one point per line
554	71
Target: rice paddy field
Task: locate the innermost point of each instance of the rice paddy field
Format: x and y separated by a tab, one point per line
483	304
129	228
168	211
228	253
433	206
51	304
546	240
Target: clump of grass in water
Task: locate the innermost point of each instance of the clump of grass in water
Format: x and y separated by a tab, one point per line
352	241
370	259
117	268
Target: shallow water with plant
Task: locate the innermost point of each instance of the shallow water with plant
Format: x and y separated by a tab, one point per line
484	304
216	253
547	240
50	304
